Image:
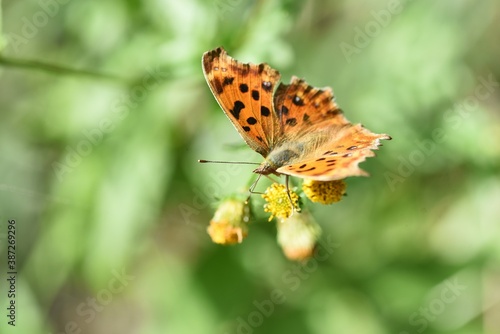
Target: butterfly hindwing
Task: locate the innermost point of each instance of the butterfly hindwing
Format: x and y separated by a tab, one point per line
338	157
245	93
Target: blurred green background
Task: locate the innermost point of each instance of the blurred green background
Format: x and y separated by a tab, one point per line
104	112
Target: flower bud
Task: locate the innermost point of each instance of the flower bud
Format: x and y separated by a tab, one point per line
230	222
298	235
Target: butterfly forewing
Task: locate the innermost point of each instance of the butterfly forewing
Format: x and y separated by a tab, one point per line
245	93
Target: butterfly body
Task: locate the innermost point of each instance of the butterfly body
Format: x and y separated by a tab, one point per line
278	158
297	128
291	151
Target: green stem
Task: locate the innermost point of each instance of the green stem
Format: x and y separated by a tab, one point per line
51	68
1	21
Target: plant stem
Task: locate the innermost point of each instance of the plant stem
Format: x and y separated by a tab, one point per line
57	69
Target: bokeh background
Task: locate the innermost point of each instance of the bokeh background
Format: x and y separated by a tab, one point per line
105	111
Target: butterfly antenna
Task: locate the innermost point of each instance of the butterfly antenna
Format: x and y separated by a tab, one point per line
227	162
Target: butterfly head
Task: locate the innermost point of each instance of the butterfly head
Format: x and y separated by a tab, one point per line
266	168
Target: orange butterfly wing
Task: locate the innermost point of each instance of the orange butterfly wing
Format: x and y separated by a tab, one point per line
245	93
333	147
337	158
299	129
301	106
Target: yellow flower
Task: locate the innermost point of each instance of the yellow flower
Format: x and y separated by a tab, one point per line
324	192
229	224
279	204
298	235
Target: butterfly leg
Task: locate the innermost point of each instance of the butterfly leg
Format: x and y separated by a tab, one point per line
288	193
252	188
254	184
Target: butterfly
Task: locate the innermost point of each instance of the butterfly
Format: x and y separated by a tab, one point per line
297	128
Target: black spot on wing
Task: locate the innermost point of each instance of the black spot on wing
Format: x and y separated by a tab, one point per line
326	99
218	86
245	69
238	106
330	153
267	86
208	59
246	128
227	81
255	95
291	121
243	88
264	111
317	93
251	120
305	170
333	112
297	101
